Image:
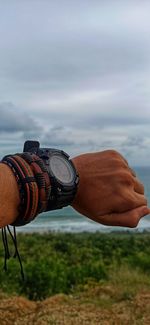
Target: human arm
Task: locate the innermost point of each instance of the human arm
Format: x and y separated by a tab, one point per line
108	192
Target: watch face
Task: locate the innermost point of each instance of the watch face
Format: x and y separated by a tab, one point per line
61	169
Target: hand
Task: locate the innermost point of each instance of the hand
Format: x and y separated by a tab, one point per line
109	191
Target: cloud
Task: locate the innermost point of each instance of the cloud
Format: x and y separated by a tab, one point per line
77	74
57	136
13	120
135	141
94	108
66	47
16	126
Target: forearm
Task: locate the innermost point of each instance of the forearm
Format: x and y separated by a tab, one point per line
9	196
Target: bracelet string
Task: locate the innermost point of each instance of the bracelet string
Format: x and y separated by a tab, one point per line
34	189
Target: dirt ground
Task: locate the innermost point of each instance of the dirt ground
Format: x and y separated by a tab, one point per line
96	307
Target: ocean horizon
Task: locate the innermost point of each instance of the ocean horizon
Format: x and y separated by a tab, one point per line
68	220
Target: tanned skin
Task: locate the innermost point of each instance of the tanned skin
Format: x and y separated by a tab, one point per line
109	191
9	196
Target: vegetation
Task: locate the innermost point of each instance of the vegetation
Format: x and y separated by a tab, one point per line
57	263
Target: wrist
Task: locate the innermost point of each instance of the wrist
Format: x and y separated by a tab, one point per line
75	162
62	173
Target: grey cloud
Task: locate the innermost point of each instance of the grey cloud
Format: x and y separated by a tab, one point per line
13	120
68	54
60	53
87	117
134	141
70	63
113	121
57	137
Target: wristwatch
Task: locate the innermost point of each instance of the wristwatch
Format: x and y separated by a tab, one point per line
63	175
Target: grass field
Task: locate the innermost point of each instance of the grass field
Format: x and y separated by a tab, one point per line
78	279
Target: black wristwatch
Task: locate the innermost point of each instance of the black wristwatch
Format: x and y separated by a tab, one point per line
63	175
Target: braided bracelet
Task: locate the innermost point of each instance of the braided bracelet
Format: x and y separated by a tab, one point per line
34	192
34	188
40	171
33	183
41	175
28	189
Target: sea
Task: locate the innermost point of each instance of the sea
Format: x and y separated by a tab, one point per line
68	220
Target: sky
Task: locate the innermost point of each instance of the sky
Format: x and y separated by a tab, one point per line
75	75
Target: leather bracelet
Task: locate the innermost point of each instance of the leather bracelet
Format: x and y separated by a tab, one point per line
34	189
41	175
27	187
33	183
34	195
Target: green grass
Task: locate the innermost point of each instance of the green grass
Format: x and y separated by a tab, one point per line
73	263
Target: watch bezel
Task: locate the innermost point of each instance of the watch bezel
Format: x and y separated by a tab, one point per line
46	154
68	165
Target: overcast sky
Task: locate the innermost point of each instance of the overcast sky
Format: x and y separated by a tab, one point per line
76	75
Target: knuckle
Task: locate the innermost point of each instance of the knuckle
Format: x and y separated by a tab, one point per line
113	153
125	178
116	154
118	161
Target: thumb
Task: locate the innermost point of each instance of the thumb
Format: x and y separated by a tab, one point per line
129	218
133	217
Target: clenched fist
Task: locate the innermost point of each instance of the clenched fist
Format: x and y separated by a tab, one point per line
109	191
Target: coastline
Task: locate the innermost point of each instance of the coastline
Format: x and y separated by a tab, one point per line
76	224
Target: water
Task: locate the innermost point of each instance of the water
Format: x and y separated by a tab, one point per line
68	220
